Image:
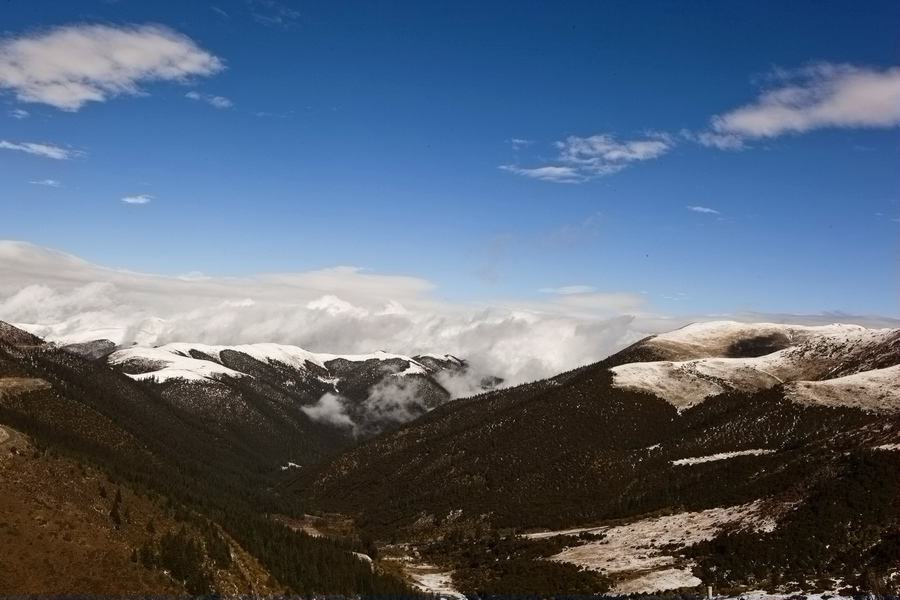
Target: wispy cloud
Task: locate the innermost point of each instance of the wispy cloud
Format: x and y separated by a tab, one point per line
137	199
48	182
570	235
18	113
584	158
569	289
40	149
221	102
217	101
703	209
558	174
819	96
518	143
68	66
272	13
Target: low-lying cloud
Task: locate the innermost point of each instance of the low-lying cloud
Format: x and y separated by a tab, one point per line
341	311
391	401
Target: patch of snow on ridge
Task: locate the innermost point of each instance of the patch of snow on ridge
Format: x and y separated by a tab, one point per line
817	353
167	365
720	456
635	550
173	361
878	389
666	579
713	338
888	447
432	581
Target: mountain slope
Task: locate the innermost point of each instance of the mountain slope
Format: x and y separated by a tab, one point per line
582	449
210	478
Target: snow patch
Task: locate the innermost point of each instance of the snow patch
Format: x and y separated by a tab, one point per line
163	364
432	581
720	456
635	551
173	361
665	579
878	389
815	353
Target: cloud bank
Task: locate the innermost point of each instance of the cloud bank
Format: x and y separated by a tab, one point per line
67	67
341	310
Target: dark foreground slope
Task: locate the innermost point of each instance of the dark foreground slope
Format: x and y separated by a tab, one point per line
821	478
183	506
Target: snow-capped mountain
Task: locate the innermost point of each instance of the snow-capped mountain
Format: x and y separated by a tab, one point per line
358	393
706	359
194	362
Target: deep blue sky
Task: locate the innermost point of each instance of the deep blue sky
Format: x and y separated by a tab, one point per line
409	137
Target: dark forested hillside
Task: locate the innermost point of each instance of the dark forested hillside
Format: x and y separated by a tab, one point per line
579	451
210	478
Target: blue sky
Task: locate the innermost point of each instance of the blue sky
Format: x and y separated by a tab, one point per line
692	157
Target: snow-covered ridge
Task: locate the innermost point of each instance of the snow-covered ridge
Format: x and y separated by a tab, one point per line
714	338
696	460
831	364
178	360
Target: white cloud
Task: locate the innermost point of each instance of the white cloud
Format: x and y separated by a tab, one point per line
819	96
601	152
558	174
137	199
221	102
570	235
68	66
40	149
49	182
330	409
518	143
584	158
216	101
569	289
330	310
18	113
703	209
270	12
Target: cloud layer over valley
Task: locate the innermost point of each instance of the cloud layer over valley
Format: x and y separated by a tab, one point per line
339	310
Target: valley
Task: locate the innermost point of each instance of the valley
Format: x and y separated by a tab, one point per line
684	461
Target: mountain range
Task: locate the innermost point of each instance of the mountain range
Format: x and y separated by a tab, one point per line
754	458
742	456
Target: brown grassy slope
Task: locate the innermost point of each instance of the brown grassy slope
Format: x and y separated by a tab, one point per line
57	536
